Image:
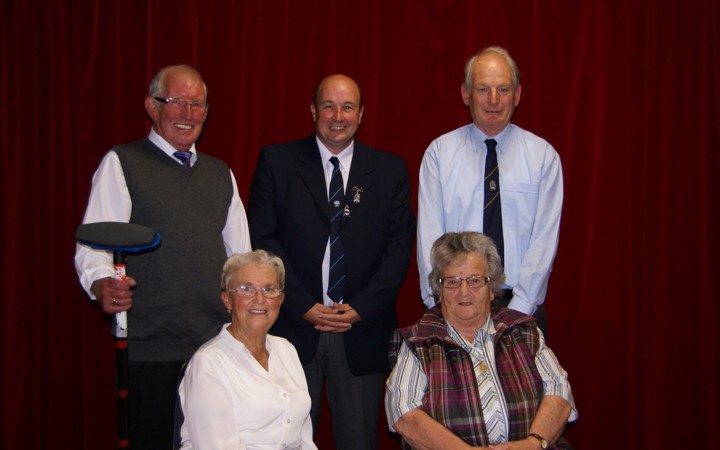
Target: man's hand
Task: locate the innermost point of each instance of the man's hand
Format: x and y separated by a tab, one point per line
113	295
332	319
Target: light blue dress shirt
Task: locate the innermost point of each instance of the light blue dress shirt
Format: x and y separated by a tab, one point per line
451	195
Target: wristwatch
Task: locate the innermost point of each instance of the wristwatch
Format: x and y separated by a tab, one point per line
543	442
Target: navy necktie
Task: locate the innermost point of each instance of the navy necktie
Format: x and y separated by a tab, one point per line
492	214
184	157
336	195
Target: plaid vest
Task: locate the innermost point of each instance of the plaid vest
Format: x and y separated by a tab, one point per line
452	397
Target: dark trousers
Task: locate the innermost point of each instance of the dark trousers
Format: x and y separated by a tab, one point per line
355	401
152	392
540	318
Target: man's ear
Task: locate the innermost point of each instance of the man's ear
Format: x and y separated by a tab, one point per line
518	91
151	108
465	94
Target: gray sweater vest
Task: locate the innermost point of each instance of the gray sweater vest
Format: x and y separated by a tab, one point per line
177	305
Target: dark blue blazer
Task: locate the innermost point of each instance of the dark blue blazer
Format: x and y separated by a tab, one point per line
289	215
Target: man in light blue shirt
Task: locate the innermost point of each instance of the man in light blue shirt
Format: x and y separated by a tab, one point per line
451	194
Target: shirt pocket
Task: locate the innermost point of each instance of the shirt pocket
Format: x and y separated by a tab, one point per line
519	202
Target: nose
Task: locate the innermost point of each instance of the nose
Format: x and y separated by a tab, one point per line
338	114
186	114
464	288
186	110
258	299
493	96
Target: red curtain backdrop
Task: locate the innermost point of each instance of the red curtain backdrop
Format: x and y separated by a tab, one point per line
626	91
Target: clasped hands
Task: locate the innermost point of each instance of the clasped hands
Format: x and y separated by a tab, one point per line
332	319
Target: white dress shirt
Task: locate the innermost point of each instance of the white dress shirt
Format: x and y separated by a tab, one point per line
110	202
451	194
231	402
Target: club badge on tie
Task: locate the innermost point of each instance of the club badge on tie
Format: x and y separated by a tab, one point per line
492	185
357	191
336	203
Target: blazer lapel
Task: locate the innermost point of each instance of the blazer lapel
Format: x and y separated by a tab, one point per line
359	182
313	175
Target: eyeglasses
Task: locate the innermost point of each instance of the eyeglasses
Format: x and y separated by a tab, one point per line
178	104
249	291
473	282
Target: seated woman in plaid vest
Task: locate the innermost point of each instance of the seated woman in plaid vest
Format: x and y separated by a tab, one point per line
471	374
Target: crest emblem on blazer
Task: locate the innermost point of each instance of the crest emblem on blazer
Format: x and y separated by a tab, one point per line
357	191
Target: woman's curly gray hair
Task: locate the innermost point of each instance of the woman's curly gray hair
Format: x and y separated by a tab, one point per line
449	247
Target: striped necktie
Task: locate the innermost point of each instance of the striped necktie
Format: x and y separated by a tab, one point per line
184	157
336	195
492	214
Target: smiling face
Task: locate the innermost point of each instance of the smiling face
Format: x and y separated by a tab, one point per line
337	112
491	96
180	126
256	314
466	308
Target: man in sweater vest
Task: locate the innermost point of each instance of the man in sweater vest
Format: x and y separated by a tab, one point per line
173	297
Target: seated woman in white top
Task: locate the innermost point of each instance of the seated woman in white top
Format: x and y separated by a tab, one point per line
245	389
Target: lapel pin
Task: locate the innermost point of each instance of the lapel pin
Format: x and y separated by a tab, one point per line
358	191
346	211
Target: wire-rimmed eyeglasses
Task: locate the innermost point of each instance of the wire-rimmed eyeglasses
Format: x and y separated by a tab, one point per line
249	291
178	103
473	281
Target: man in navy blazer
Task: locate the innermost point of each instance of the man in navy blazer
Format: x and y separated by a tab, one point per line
344	344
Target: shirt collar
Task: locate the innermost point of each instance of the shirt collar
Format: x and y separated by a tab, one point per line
478	137
165	146
486	331
344	156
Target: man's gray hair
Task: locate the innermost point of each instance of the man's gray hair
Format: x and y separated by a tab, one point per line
157	85
498	51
